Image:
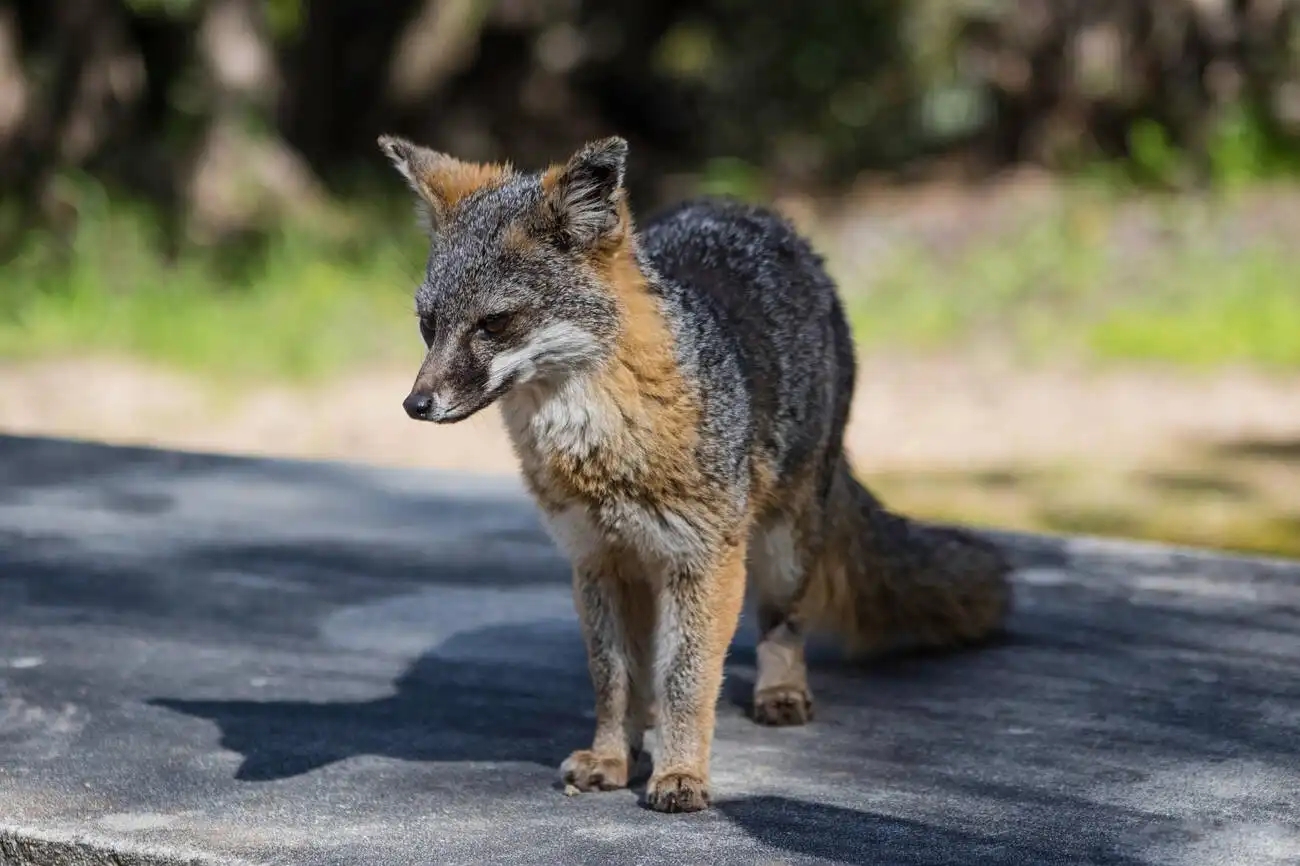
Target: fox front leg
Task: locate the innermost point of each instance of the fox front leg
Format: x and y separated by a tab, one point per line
616	611
697	619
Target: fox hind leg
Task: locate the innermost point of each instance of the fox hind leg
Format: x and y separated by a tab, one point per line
778	566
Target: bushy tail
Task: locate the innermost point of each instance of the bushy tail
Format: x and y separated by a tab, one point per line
886	580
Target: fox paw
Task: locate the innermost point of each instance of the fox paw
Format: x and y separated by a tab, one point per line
587	771
677	792
783	706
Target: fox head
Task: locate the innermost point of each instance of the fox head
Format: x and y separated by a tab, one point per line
516	290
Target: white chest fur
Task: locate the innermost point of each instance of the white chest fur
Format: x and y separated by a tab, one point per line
571	419
578	422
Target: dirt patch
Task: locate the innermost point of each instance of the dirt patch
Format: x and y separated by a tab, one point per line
1209	460
907	415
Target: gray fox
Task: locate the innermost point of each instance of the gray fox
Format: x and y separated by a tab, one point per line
677	397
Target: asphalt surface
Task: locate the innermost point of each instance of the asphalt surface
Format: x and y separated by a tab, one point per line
216	660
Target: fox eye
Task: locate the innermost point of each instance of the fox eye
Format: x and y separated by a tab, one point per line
494	324
426	330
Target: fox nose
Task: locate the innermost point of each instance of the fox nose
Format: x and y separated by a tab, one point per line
418	406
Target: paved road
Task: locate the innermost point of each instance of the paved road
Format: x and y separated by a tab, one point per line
212	660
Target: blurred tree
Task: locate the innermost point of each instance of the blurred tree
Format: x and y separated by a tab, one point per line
234	114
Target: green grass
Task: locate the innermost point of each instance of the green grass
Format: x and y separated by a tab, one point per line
1075	282
1206	311
1172	281
297	308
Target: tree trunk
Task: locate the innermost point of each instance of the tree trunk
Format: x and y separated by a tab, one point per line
243	176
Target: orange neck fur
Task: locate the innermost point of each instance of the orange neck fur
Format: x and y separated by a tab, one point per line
643	378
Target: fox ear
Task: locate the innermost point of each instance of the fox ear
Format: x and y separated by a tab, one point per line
420	166
583	196
441	181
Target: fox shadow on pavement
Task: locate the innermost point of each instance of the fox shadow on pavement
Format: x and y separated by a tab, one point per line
1062	835
513	693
